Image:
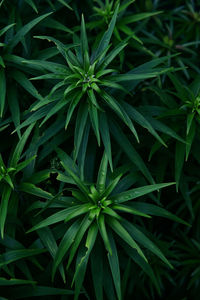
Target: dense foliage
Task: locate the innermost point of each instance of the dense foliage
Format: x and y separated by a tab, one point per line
99	149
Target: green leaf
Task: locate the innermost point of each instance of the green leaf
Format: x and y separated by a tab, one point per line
119	229
78	210
179	161
76	179
55	218
6	28
105	134
65	244
101	179
138	192
31	189
103	231
26	84
95	121
72	106
145	241
127	147
104	42
114	266
129	210
63	2
20	147
138	17
37	291
86	222
189	139
2	91
14	255
154	210
82	264
25	29
14	281
81	120
4	207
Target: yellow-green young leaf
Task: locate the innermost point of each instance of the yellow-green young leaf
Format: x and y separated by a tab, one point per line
101	179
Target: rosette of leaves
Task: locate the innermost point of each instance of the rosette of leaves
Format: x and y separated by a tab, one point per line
96	214
87	85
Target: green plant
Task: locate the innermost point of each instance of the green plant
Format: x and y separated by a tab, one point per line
96	209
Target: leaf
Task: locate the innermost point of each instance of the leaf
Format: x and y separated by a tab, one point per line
119	229
103	232
105	134
97	271
14	281
124	143
39	291
14	107
26	84
64	246
82	264
55	218
30	188
179	161
14	255
81	120
101	179
189	139
78	210
138	192
145	241
4	207
95	121
2	91
63	2
104	42
72	106
138	17
84	40
6	28
76	179
114	266
152	209
20	146
86	222
25	29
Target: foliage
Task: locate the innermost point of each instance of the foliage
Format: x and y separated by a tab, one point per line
99	152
